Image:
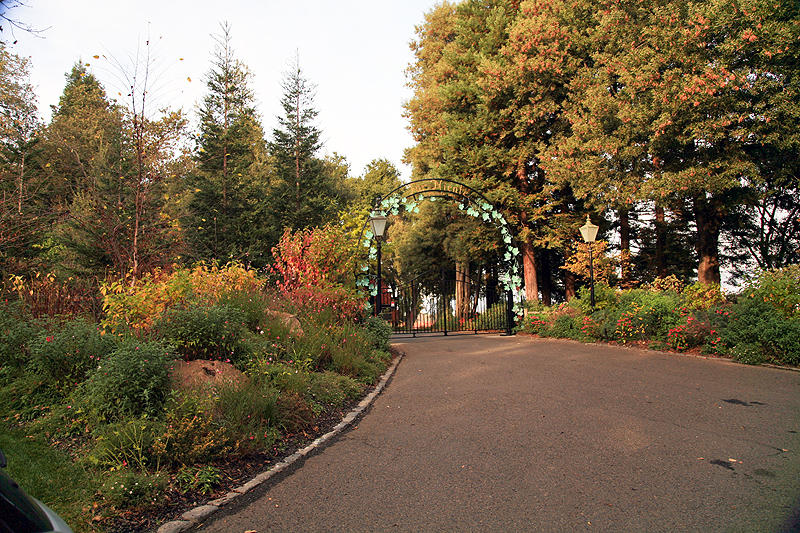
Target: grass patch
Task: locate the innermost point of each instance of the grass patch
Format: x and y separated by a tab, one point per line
49	475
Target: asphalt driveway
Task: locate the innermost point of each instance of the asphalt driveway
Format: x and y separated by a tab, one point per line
516	434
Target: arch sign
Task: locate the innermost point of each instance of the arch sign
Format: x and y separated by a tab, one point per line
407	198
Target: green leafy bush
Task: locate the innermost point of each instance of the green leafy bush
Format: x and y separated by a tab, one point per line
253	305
64	357
779	288
132	381
206	332
201	478
248	415
330	389
757	331
604	296
646	315
16	330
565	323
380	331
126	444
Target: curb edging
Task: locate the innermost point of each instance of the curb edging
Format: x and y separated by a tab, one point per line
198	514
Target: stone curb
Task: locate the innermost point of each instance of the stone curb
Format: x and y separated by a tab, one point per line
200	513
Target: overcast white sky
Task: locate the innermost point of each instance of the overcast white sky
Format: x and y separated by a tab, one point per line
354	51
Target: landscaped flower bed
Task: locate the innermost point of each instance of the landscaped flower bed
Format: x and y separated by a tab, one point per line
188	371
761	324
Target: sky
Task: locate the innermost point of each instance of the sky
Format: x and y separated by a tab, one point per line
355	52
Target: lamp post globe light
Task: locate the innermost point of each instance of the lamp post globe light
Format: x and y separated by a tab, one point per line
589	233
377	222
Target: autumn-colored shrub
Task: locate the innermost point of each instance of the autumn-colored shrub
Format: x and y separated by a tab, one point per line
313	270
136	307
702	296
667	284
44	294
192	434
313	257
345	304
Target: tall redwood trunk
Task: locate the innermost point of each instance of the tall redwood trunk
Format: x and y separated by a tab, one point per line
545	279
707	213
661	243
569	285
529	272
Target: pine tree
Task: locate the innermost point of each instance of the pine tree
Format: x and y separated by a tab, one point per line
302	193
230	164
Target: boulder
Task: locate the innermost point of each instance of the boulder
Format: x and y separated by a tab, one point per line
202	374
289	320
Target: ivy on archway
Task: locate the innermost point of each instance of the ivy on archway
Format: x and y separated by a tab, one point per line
472	203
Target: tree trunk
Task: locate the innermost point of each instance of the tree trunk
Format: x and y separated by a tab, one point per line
569	284
707	212
462	290
545	279
625	246
529	272
661	243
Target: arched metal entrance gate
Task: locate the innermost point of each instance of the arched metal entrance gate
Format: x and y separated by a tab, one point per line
455	306
463	305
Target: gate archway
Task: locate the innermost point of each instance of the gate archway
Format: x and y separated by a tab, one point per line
407	198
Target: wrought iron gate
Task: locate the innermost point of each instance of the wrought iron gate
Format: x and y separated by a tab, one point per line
464	306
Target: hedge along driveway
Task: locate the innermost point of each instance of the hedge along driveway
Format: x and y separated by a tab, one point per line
497	433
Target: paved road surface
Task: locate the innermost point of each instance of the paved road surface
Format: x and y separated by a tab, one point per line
510	434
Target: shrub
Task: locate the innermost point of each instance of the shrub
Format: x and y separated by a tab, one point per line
126	444
646	315
604	296
294	412
192	433
128	488
253	306
46	295
205	332
332	390
667	284
534	323
566	324
380	331
248	415
779	288
64	357
132	380
757	331
702	296
345	304
16	330
696	330
203	478
138	306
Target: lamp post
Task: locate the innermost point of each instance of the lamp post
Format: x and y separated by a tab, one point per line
377	222
589	233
